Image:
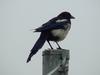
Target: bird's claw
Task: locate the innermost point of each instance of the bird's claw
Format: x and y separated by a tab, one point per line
59	48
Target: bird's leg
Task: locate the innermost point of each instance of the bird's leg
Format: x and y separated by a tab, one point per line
58	45
49	44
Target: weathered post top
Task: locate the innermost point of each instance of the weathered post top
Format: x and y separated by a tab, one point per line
55	62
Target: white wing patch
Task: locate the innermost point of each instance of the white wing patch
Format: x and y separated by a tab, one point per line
61	20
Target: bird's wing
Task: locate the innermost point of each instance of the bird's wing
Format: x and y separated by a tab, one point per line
52	24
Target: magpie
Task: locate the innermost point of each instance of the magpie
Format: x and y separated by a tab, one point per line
55	30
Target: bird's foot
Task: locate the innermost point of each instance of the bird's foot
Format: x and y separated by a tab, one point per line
59	48
51	48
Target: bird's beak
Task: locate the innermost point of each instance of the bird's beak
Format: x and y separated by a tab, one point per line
72	17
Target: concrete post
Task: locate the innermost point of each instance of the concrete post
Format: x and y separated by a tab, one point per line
55	62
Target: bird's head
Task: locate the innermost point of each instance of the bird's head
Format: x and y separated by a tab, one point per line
65	15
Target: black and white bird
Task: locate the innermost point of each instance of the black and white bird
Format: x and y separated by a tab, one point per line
55	30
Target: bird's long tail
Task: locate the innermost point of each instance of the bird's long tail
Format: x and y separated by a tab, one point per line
40	42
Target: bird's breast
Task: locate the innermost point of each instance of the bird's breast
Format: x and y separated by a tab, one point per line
60	34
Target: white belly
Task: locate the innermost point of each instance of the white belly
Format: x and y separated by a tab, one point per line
61	33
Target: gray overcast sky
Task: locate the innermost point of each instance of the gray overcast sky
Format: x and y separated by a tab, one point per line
18	17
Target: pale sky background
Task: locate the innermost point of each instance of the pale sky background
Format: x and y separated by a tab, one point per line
18	17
